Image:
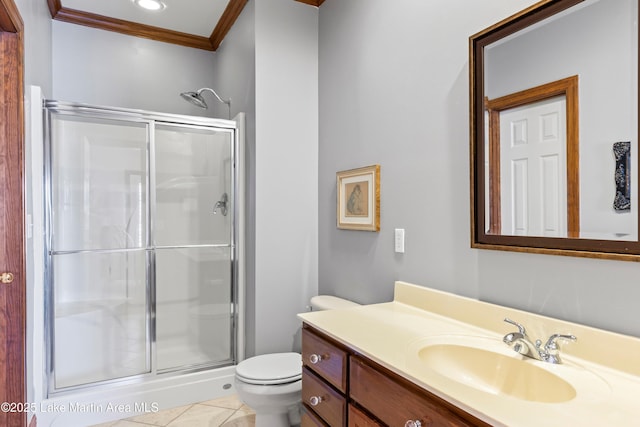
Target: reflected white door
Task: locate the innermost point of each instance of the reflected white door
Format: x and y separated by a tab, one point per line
533	187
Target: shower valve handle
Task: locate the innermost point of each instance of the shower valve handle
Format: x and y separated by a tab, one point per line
222	204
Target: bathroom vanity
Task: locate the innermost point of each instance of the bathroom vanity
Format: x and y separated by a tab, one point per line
430	358
343	388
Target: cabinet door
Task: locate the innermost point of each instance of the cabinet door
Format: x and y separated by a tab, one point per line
395	401
357	418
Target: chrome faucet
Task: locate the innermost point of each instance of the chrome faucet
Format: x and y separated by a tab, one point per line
521	343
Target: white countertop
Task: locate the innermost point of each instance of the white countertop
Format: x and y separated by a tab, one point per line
603	366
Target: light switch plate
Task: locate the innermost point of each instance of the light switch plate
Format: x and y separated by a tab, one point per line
399	240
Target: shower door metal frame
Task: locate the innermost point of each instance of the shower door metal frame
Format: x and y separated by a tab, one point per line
151	119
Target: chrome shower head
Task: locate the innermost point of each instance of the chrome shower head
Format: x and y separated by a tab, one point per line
194	98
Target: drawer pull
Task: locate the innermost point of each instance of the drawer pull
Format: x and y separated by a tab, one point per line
315	400
413	423
315	358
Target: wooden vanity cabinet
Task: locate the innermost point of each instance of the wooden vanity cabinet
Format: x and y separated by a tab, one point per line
341	388
324	380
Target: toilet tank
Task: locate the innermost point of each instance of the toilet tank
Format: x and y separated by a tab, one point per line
329	302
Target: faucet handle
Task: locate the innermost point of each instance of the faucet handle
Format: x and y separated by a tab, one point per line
552	343
516	324
551	352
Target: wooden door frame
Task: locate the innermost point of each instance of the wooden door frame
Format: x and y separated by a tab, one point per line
567	87
13	295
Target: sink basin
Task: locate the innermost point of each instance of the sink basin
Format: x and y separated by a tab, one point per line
496	373
489	366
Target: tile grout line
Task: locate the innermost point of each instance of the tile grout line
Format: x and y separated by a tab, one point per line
229	417
179	415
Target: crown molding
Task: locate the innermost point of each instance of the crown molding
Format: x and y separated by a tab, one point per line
211	43
10	19
316	3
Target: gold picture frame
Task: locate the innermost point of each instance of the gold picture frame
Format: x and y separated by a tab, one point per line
358	206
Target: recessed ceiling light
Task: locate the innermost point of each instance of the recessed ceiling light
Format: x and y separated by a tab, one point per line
154	5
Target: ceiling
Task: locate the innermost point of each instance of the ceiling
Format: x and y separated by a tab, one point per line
201	24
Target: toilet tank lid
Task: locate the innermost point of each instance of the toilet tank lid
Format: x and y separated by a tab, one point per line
329	302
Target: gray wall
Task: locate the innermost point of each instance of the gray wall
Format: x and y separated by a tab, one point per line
393	85
235	71
286	195
393	80
105	68
268	64
37	43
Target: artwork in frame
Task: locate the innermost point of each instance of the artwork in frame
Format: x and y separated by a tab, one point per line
359	199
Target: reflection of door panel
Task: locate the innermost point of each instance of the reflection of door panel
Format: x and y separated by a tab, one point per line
533	189
547	202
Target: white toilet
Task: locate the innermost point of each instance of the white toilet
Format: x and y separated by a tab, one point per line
271	384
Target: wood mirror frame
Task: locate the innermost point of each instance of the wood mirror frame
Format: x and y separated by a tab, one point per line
480	238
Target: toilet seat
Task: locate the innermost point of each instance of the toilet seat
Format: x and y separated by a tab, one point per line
270	369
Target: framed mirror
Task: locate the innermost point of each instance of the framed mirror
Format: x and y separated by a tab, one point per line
554	130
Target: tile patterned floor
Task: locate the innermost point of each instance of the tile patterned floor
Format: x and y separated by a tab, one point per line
226	411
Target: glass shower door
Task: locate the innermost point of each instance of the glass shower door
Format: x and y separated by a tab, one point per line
98	249
140	264
192	175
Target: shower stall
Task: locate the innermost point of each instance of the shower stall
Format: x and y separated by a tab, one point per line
141	245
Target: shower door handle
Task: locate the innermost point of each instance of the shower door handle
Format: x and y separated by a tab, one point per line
6	278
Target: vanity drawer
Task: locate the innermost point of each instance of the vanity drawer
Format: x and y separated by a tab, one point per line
310	419
330	405
357	418
395	400
325	358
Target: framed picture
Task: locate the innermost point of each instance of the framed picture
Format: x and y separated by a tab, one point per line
359	199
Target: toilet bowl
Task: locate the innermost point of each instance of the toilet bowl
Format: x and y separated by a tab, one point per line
271	384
